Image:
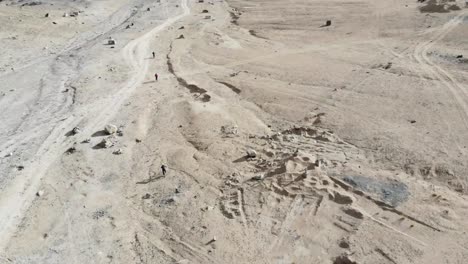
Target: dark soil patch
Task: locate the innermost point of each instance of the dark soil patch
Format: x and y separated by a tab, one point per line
435	6
393	193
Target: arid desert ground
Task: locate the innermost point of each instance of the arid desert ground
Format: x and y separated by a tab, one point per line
292	131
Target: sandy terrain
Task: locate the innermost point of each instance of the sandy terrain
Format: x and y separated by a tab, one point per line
356	131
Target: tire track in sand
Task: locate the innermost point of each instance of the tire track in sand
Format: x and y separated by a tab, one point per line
15	200
456	89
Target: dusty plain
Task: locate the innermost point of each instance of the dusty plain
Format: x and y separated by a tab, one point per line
356	132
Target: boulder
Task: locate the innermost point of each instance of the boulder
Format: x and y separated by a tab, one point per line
111	129
76	130
250	153
106	143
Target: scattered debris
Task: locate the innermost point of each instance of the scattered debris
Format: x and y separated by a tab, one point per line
99	214
229	130
170	200
33	3
111	129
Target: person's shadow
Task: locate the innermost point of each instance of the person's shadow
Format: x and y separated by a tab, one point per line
150	179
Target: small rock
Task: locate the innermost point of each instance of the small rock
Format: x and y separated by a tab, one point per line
86	140
110	129
20	167
258	177
120	132
212	240
40	193
387	66
118	152
106	143
76	130
251	153
146	196
343	244
71	150
138	140
9	154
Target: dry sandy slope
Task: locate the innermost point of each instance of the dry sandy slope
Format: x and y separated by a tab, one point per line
359	160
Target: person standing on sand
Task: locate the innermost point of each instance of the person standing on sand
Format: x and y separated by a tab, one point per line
163	169
156	76
154	55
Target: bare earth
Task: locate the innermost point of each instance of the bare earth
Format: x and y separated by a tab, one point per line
359	131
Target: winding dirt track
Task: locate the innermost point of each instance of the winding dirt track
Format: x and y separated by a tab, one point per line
19	195
455	88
